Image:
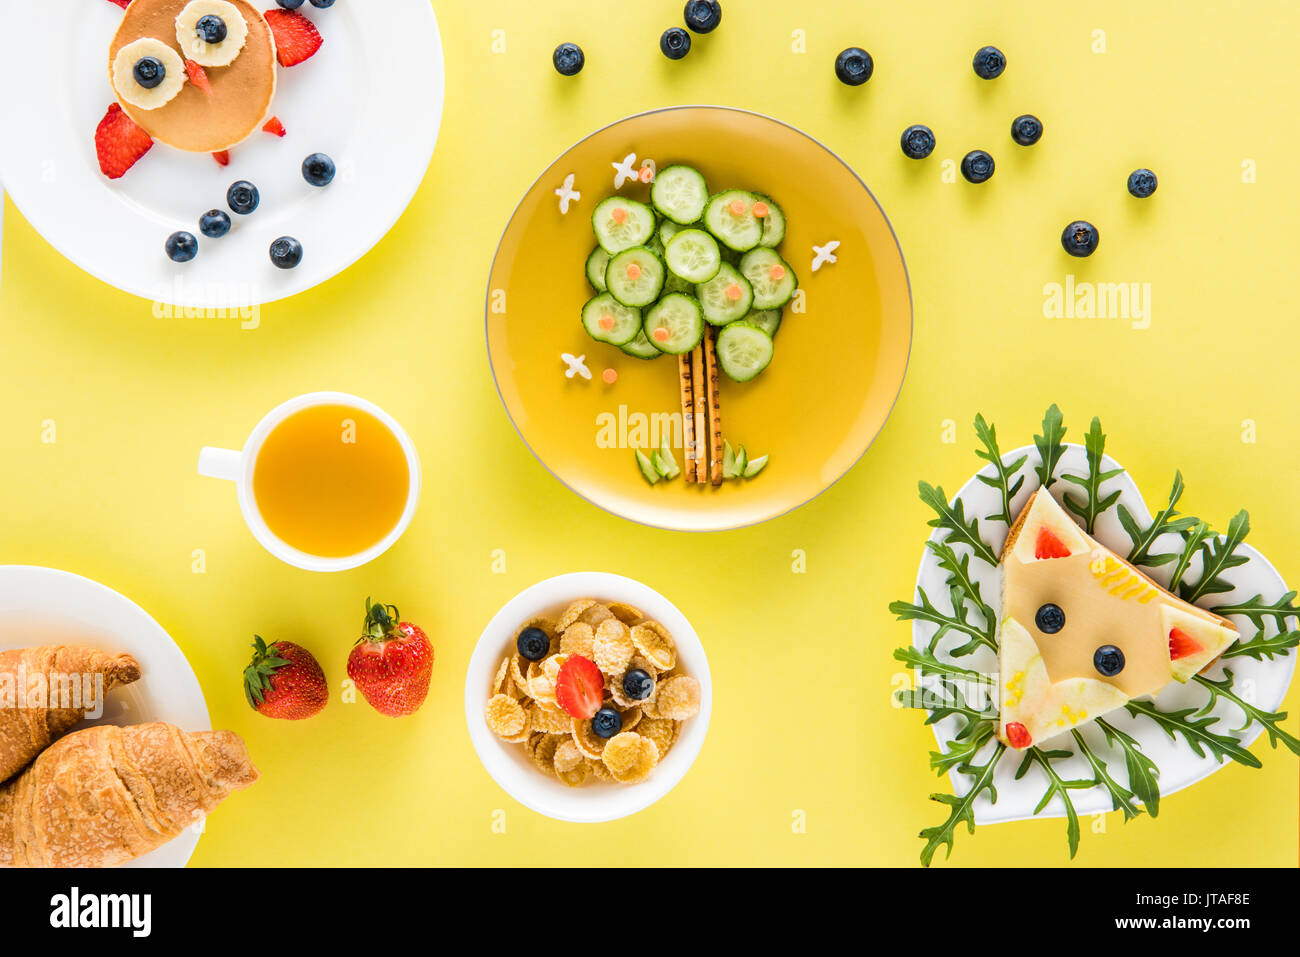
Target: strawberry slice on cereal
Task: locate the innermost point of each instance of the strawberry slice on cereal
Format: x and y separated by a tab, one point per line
580	687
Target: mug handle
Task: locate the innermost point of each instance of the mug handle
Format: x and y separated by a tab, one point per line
220	464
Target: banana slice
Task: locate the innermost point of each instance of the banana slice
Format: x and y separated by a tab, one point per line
129	87
232	30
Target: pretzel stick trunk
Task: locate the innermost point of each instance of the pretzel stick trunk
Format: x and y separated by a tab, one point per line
715	408
688	415
699	395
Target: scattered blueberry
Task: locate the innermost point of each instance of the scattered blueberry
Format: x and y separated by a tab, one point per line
606	723
568	59
1142	183
703	16
638	684
182	247
854	66
322	4
533	644
149	71
1081	238
243	197
318	169
675	43
989	63
977	166
215	223
1108	660
290	4
1050	619
210	29
286	252
917	142
1027	129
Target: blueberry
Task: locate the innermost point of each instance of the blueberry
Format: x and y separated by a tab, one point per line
1108	660
854	66
1050	619
989	63
286	252
977	166
638	684
568	59
290	4
149	72
1027	129
210	29
1142	183
675	43
322	4
243	197
214	224
1081	238
181	247
703	16
533	644
318	169
917	142
606	723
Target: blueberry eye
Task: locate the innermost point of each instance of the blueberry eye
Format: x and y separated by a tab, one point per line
149	72
1108	660
210	29
1050	619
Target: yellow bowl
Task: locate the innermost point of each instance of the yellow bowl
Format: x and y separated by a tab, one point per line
841	351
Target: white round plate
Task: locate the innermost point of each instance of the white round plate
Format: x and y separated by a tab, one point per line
371	98
45	606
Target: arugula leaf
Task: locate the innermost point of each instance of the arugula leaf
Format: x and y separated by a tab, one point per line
1264	646
1269	720
1094	503
1164	522
1056	786
1142	771
959	576
953	518
928	664
1050	446
957	621
1219	557
1256	610
961	807
1193	539
955	705
1121	798
961	750
1196	730
1001	481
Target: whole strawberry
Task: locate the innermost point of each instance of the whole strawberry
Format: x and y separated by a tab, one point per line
284	680
392	662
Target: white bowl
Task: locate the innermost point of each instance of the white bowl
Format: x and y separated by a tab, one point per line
511	767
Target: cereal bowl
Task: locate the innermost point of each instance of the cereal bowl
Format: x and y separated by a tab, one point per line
510	765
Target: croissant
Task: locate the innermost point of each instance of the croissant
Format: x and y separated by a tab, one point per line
106	795
68	682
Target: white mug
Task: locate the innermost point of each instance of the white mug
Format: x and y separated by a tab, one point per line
237	466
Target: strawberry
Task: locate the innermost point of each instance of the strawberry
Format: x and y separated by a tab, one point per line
1049	545
119	142
121	3
222	158
1181	644
274	126
1018	735
580	687
391	662
284	680
198	76
296	37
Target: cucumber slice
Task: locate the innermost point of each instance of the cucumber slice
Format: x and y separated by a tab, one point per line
665	462
728	460
647	467
737	228
668	229
620	223
640	347
773	223
596	264
773	280
726	297
693	255
635	277
675	324
680	194
769	320
608	320
744	350
755	466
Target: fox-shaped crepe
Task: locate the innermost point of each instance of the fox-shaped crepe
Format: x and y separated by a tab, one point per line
1083	631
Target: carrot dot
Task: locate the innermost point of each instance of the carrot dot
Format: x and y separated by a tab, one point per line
610	376
607	322
737	207
619	214
646	174
661	334
633	271
734	292
761	210
777	272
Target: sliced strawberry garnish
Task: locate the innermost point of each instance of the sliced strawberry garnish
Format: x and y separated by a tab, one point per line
1181	645
121	3
119	142
580	687
1018	735
1049	545
273	125
198	76
296	37
222	158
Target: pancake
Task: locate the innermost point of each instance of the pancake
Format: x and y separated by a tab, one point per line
242	93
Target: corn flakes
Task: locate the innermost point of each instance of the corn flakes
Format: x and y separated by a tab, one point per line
679	698
630	757
613	647
653	640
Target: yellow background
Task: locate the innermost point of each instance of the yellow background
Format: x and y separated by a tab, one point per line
801	663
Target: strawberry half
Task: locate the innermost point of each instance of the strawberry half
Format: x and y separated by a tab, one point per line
580	687
1181	645
1049	545
119	142
198	76
121	3
274	126
296	37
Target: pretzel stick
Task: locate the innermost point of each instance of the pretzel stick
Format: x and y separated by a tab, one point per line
688	415
699	393
715	408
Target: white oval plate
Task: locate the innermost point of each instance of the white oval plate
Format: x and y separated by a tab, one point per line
45	606
1179	767
356	100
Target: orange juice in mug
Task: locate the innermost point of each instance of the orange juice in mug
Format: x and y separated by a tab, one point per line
327	481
